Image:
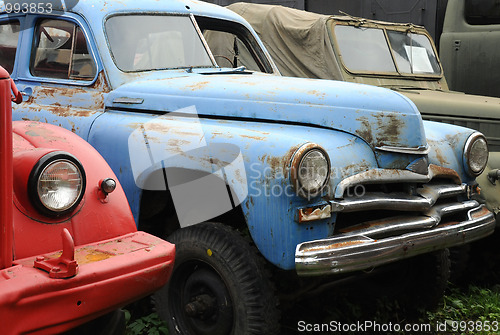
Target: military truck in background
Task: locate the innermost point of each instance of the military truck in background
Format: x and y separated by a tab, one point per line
469	47
428	13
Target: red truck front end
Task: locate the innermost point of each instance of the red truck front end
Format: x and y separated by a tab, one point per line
65	261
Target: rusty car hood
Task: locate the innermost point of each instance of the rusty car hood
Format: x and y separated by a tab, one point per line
379	116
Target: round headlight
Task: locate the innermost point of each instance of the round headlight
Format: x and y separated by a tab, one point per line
310	170
476	154
57	184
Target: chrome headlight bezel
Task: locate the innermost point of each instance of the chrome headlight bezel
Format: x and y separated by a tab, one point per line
473	164
35	189
297	178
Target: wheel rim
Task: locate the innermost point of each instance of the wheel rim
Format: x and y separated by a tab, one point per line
203	305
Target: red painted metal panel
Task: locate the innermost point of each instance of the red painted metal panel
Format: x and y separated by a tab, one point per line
111	274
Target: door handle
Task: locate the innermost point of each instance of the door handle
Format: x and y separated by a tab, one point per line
26	93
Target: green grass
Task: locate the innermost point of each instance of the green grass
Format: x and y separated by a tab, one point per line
146	325
475	310
476	303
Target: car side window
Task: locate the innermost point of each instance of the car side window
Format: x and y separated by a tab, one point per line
61	52
229	50
9	36
233	45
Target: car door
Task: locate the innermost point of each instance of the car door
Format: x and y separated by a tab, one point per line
59	74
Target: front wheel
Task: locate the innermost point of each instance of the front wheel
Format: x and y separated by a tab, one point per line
415	284
218	285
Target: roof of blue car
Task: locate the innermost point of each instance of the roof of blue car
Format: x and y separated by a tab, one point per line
100	9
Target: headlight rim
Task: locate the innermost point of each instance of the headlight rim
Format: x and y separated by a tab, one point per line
35	174
467	150
296	160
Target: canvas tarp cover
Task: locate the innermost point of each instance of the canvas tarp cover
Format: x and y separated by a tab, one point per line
298	41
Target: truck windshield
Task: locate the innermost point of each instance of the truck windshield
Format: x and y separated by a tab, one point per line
155	42
386	51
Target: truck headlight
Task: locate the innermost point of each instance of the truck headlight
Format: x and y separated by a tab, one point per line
476	154
310	170
56	184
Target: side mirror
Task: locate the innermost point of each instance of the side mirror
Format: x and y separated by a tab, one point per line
493	176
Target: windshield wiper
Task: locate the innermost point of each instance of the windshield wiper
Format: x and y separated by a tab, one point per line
236	70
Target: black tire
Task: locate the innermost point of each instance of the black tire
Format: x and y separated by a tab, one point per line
459	257
416	283
431	280
218	286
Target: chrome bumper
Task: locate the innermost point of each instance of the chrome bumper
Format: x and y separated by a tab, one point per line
360	249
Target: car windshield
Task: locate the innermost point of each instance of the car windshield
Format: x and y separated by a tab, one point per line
386	51
155	42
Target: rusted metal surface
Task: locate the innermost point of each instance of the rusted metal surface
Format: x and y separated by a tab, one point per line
318	258
71	101
441	157
73	107
479	213
426	220
389	128
424	200
338	245
393	176
442	172
314	214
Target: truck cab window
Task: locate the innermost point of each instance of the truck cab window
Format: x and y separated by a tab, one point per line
482	12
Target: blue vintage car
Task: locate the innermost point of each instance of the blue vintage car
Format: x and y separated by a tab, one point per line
246	171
